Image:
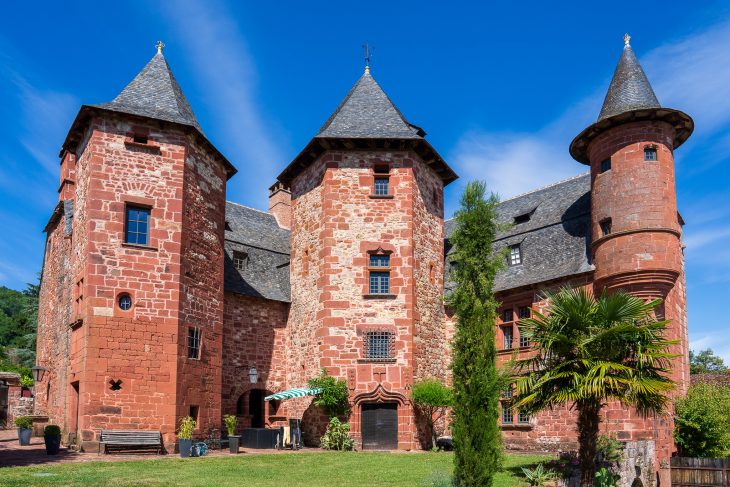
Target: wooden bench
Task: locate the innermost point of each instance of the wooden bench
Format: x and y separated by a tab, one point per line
130	440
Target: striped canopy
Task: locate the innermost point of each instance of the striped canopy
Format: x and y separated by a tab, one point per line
291	393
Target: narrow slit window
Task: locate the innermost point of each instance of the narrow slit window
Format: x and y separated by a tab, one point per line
194	334
650	153
605	227
515	255
137	225
606	165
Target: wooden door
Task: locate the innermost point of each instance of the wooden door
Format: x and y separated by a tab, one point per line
379	426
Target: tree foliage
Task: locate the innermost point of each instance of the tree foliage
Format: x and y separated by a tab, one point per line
335	396
589	351
705	362
18	322
337	436
702	423
477	384
432	398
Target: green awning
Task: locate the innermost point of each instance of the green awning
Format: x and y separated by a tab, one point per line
291	393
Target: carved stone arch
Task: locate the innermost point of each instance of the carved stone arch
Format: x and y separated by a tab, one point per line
380	394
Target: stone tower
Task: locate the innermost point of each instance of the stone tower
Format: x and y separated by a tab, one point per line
131	304
636	229
367	262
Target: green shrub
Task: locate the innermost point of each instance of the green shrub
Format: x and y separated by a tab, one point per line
604	478
609	449
438	478
187	426
335	396
230	422
431	398
52	430
337	436
24	422
538	475
702	425
27	381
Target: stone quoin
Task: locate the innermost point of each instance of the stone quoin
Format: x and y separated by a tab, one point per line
158	295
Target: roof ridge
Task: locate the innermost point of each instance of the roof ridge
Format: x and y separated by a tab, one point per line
250	208
546	187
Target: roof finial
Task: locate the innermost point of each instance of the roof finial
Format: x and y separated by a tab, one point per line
366	46
627	38
160	46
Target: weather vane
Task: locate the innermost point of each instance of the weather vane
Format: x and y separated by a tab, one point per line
627	38
160	46
366	46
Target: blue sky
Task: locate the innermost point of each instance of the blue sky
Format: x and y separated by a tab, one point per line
501	90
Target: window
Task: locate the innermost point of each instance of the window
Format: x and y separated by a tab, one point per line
605	226
378	345
125	302
194	412
379	266
524	218
507	315
507	393
140	139
524	341
506	413
650	153
606	165
115	385
507	334
515	255
381	185
137	225
523	418
523	312
194	342
240	259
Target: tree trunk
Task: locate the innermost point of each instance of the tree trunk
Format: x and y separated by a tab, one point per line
588	424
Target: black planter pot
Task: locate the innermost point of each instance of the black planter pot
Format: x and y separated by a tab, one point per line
185	446
53	444
233	443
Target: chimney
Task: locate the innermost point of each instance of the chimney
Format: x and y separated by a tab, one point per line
280	204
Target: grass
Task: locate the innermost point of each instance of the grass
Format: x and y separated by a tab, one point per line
342	469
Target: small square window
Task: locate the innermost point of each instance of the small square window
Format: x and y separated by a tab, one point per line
194	342
382	186
378	345
605	227
523	312
240	260
515	255
137	225
507	413
650	153
523	418
524	341
379	260
507	393
508	335
606	165
507	315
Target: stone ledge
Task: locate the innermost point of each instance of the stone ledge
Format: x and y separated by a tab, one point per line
381	196
139	247
379	296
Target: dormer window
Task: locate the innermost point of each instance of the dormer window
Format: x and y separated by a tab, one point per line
606	165
650	154
240	259
522	218
515	255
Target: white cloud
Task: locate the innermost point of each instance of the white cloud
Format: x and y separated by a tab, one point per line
227	73
719	342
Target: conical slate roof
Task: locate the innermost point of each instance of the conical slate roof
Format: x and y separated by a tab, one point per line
630	98
629	89
367	120
154	93
367	112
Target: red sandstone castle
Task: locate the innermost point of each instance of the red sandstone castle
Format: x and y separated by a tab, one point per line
159	296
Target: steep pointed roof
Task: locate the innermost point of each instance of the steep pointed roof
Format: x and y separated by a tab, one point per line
629	88
630	98
154	93
368	119
367	112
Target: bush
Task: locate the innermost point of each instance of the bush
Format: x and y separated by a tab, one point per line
27	381
335	396
337	436
609	449
438	478
52	430
230	422
187	426
24	422
702	425
538	475
604	478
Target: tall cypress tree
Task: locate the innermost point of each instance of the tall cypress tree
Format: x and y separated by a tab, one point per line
476	433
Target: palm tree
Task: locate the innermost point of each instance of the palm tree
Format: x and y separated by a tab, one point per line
588	351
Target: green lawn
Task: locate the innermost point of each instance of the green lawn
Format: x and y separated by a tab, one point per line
280	470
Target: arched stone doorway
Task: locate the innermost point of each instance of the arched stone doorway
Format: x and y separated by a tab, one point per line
377	417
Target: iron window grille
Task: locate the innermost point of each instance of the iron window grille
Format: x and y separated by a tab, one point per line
379	345
650	153
194	342
515	255
606	165
523	418
137	225
507	413
382	186
507	334
240	259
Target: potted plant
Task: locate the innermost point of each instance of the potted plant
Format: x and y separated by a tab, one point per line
52	437
230	421
25	428
185	435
